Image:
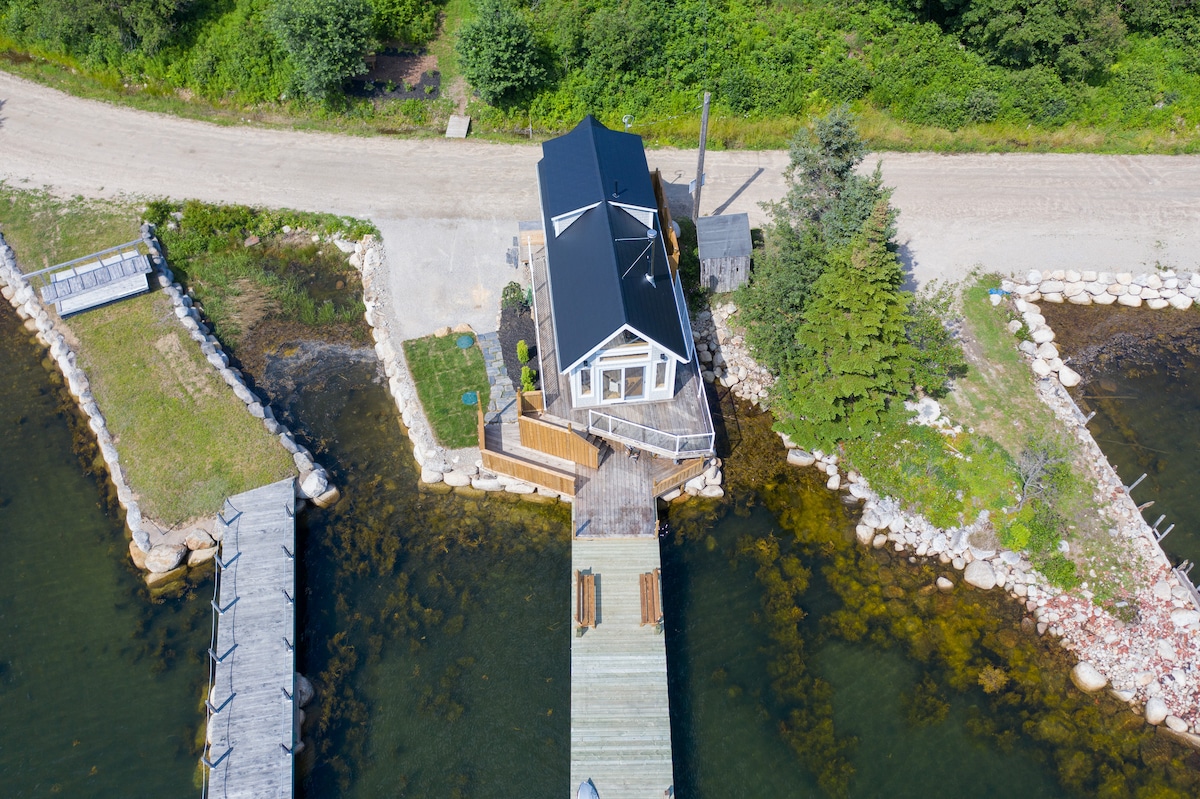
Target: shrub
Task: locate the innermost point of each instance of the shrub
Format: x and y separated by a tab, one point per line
325	40
522	351
498	53
528	379
513	296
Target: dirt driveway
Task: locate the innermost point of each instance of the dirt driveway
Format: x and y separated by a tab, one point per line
448	209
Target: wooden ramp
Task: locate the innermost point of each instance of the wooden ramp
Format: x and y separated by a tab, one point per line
620	715
252	662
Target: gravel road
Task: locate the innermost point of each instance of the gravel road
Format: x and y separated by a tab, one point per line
448	209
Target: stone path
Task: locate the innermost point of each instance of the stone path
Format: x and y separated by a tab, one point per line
503	404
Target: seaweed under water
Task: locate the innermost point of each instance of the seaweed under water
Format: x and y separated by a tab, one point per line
433	624
831	623
436	628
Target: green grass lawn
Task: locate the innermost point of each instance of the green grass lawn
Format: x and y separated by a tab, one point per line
185	440
45	230
443	373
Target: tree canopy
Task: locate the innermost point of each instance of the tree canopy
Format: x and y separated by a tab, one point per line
825	309
854	352
498	53
325	40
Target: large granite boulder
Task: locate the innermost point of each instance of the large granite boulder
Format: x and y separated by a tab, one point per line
980	574
1088	678
162	558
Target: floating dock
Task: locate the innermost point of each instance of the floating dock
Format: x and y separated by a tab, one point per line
251	710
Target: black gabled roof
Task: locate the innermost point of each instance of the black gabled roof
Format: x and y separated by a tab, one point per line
598	264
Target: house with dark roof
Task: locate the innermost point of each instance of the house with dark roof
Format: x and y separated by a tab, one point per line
615	351
620	322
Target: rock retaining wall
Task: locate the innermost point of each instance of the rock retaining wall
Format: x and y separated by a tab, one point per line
1153	664
162	559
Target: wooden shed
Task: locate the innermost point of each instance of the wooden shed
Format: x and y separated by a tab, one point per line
724	251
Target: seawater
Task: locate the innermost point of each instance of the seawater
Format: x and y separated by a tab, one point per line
436	630
100	688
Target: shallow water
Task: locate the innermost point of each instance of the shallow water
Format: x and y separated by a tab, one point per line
433	627
1156	432
99	688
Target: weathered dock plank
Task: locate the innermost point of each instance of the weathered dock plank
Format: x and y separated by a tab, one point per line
251	711
620	714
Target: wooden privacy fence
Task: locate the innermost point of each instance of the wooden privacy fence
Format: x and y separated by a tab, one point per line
530	402
520	469
561	442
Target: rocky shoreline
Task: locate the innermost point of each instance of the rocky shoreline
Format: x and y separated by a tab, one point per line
164	553
1152	664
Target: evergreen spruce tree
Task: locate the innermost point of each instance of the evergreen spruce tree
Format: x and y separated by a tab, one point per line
854	356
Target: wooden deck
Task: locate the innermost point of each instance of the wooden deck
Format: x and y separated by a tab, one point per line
250	707
616	500
620	715
685	415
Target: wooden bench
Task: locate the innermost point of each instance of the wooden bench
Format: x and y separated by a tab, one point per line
585	599
651	598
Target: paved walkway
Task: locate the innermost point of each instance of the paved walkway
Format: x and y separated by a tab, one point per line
251	726
503	404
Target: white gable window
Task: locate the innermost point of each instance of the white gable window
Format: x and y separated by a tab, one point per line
628	368
563	221
643	215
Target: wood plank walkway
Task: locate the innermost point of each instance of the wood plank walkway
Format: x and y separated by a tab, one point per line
620	714
251	728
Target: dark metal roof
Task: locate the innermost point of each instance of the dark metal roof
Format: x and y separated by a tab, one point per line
724	236
598	264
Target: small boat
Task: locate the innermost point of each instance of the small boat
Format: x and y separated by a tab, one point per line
587	790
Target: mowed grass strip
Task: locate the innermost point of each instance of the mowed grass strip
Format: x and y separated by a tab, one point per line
186	442
443	373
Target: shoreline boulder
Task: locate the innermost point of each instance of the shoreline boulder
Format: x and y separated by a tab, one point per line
980	574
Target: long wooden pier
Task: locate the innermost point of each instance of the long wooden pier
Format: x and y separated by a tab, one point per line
620	712
251	712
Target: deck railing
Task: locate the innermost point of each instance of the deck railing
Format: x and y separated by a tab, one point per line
42	277
671	445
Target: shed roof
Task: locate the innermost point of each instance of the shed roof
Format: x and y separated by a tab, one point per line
599	253
726	236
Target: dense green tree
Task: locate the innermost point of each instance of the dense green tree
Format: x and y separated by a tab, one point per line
620	40
88	26
412	21
825	207
325	40
1078	38
857	357
498	53
937	355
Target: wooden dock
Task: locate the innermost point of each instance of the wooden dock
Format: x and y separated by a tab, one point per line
620	715
251	713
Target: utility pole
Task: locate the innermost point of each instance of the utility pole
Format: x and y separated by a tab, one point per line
700	162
